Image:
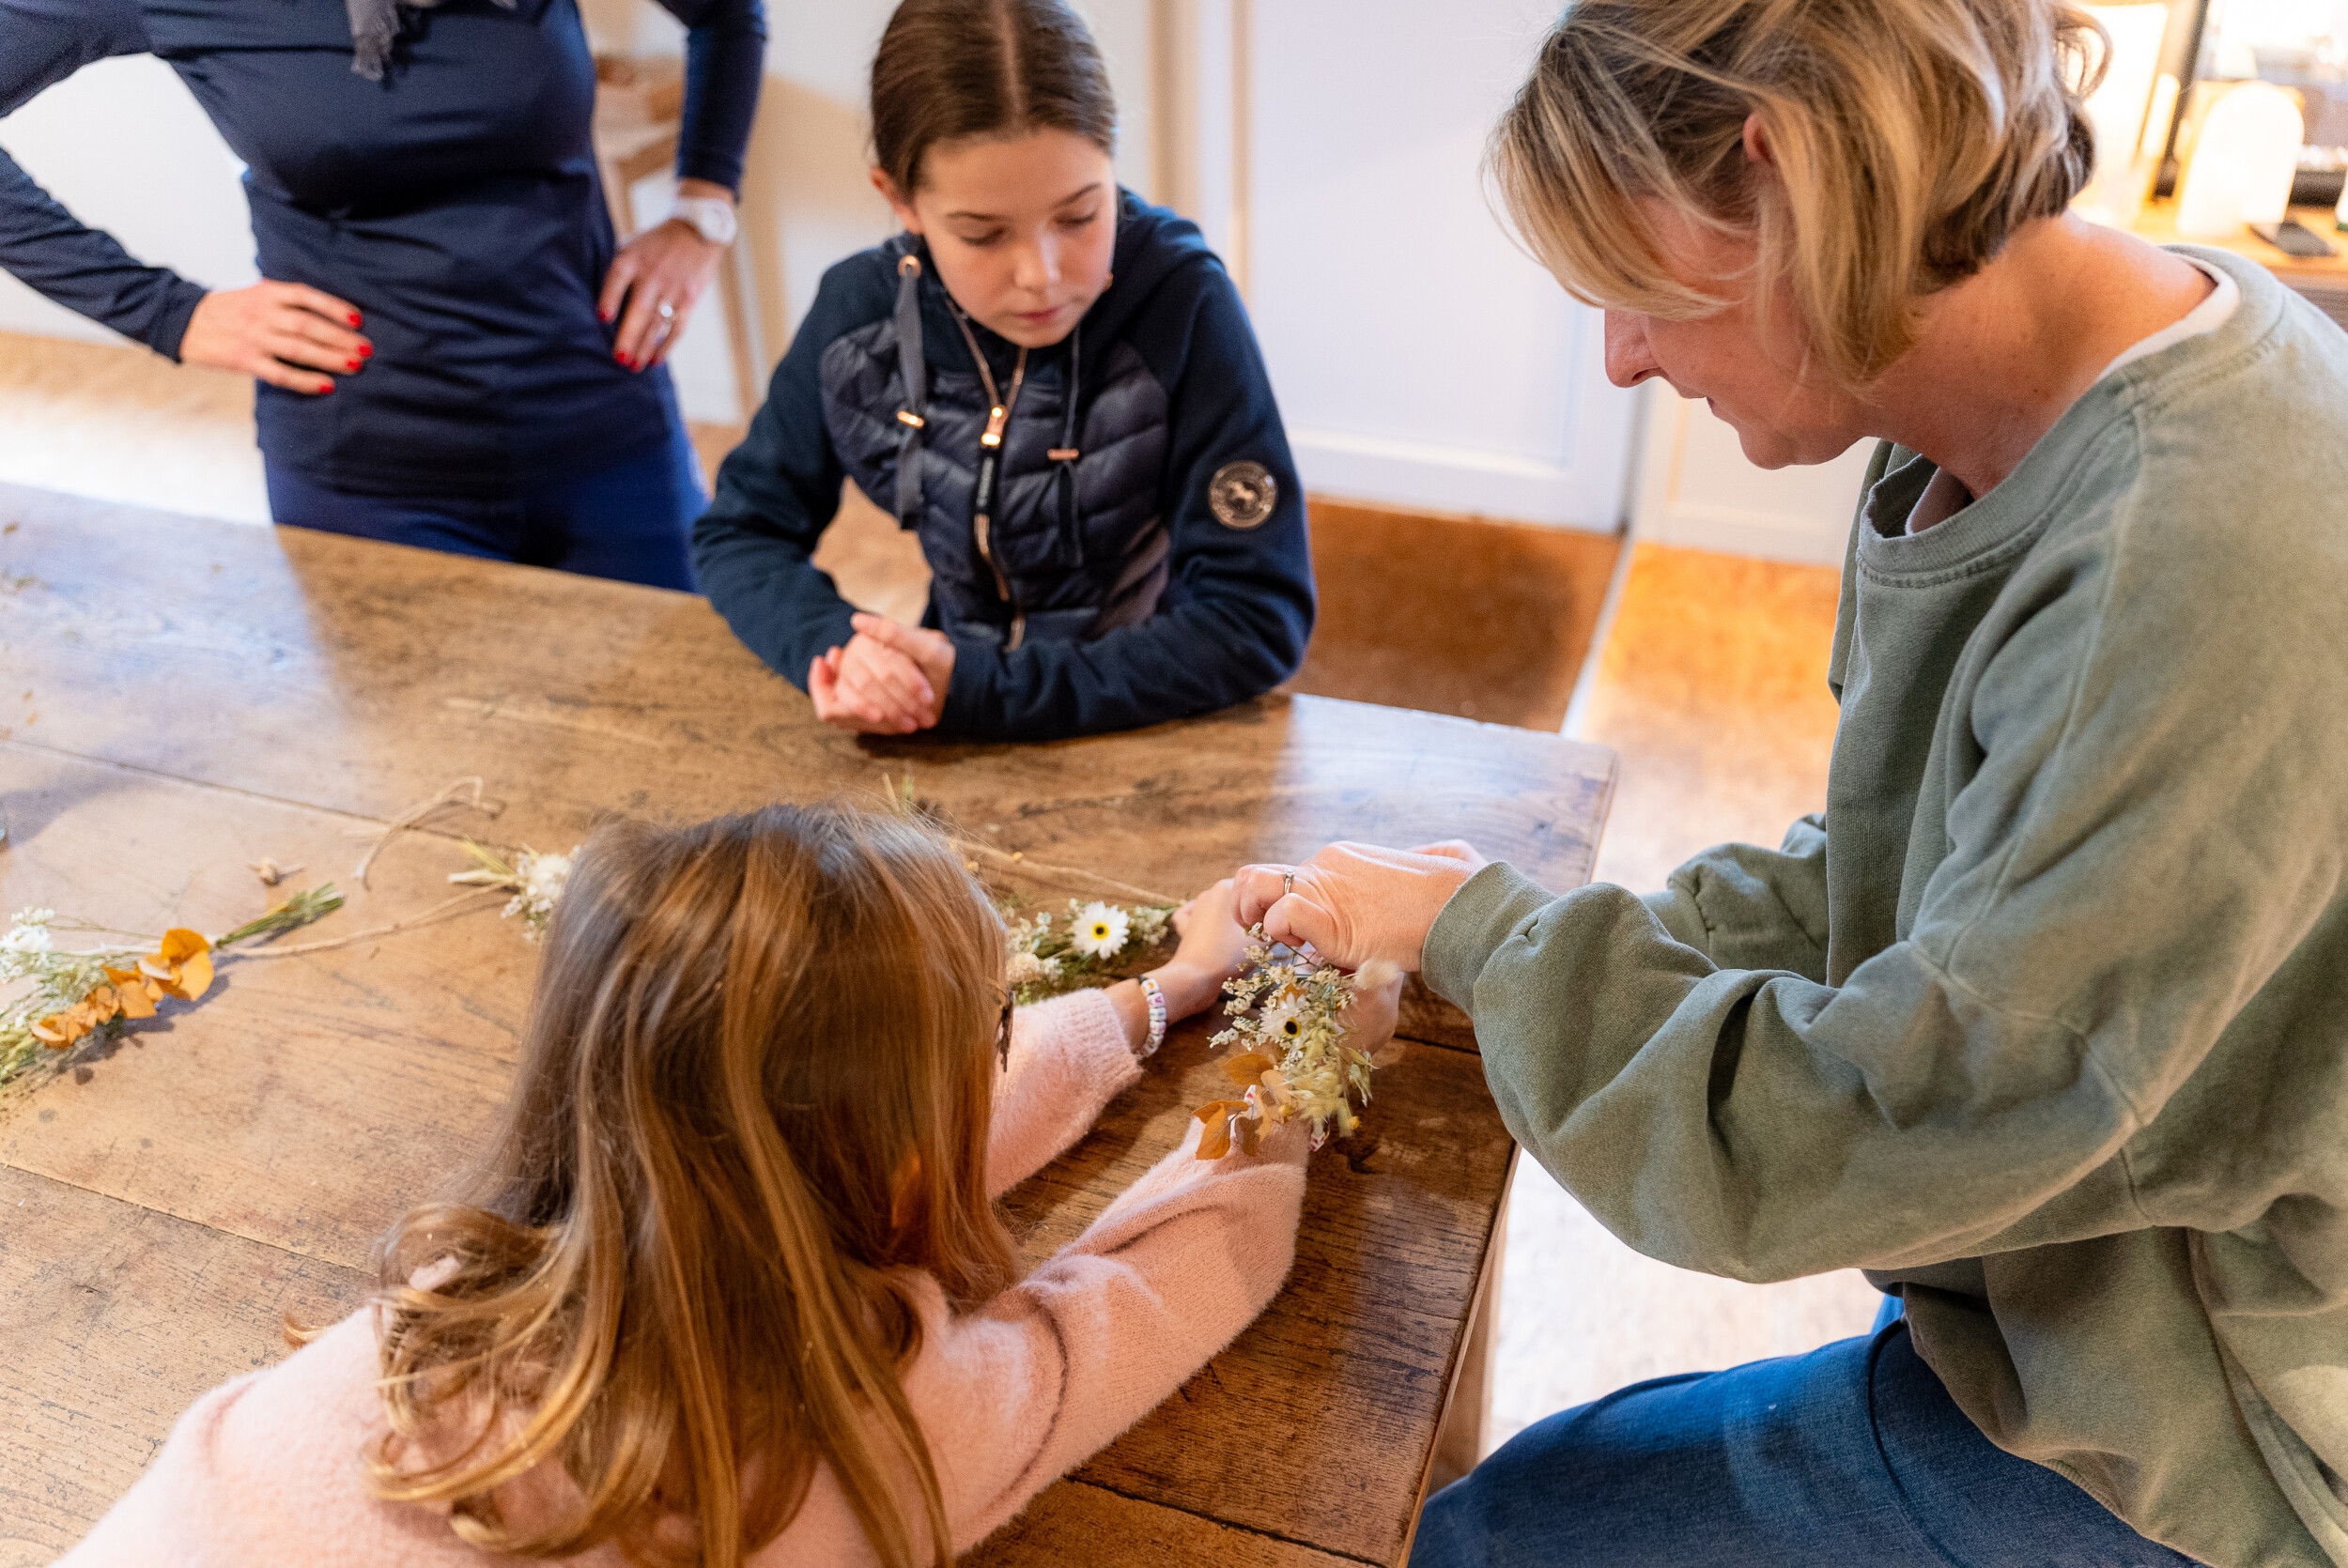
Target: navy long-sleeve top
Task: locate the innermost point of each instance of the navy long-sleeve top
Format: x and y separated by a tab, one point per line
1238	604
455	203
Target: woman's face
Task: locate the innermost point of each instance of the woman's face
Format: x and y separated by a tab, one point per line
1021	231
1750	376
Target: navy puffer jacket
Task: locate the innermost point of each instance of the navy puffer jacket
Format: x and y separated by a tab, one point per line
1160	571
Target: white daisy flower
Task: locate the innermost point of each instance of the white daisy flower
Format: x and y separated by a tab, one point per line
1283	1025
1101	930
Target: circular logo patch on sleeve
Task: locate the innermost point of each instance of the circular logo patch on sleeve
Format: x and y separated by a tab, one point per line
1243	493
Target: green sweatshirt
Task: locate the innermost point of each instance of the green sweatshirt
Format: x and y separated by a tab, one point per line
2044	1022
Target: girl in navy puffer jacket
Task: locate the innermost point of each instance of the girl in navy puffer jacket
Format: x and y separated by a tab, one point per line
1056	386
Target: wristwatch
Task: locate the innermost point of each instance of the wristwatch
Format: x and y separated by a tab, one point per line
711	218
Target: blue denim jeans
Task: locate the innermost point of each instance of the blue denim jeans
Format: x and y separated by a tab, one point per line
632	521
1852	1455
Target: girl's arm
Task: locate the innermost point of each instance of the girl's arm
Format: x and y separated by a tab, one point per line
41	44
1071	1056
777	492
1239	600
1015	1394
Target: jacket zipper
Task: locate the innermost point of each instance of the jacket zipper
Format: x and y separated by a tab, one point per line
990	465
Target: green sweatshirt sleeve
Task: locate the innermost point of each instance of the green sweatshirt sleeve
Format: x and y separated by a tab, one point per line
1744	907
2142	841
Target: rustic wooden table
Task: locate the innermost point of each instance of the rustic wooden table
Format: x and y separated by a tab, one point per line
179	699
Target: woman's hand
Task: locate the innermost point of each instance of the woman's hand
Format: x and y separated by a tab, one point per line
1357	902
667	264
889	680
282	333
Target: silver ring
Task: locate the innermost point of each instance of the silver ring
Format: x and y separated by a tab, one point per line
666	311
1288	883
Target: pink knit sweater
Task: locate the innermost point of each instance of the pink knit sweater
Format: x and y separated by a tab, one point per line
265	1471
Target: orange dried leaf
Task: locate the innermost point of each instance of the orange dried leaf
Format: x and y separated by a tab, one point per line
121	977
156	969
195	975
49	1031
1250	1133
1215	1142
180	944
135	1002
1248	1067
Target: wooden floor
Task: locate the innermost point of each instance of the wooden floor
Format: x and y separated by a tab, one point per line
1710	685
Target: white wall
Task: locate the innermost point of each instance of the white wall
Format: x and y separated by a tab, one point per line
124	147
1418	356
1696	490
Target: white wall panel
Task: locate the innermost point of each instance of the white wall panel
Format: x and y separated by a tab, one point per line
1418	356
1698	491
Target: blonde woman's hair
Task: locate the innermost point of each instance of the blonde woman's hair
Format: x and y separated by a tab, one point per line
683	1274
1909	141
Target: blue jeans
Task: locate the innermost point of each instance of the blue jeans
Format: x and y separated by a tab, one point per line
632	521
1852	1455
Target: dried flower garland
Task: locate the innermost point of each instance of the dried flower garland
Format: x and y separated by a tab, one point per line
1291	1058
536	880
72	996
1089	947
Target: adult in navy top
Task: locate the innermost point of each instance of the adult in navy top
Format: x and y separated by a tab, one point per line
1143	556
431	231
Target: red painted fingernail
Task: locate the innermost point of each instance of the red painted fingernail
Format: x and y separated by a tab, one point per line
354	318
366	351
324	390
352	365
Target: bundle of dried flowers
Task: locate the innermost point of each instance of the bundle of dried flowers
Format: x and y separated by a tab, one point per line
1290	1056
71	996
1090	945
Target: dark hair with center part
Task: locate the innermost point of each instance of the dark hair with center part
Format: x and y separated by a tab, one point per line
953	70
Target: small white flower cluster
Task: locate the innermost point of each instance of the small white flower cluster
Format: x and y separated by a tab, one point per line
28	933
1289	1051
59	980
536	880
543	877
1047	959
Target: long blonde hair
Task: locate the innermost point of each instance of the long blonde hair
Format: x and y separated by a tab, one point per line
682	1271
1910	140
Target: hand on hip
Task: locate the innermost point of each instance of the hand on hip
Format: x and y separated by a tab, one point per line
278	332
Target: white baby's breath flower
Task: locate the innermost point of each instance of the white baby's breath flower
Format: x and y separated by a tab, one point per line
1025	969
30	934
1101	930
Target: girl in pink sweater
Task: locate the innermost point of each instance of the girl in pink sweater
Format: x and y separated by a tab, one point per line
731	1286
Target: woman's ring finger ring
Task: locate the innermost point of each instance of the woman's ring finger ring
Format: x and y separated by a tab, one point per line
666	311
1288	883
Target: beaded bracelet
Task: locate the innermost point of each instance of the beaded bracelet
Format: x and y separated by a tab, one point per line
1156	998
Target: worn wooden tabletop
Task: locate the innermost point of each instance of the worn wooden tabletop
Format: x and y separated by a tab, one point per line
179	699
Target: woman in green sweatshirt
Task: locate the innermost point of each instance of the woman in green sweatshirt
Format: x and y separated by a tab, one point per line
2043	1021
